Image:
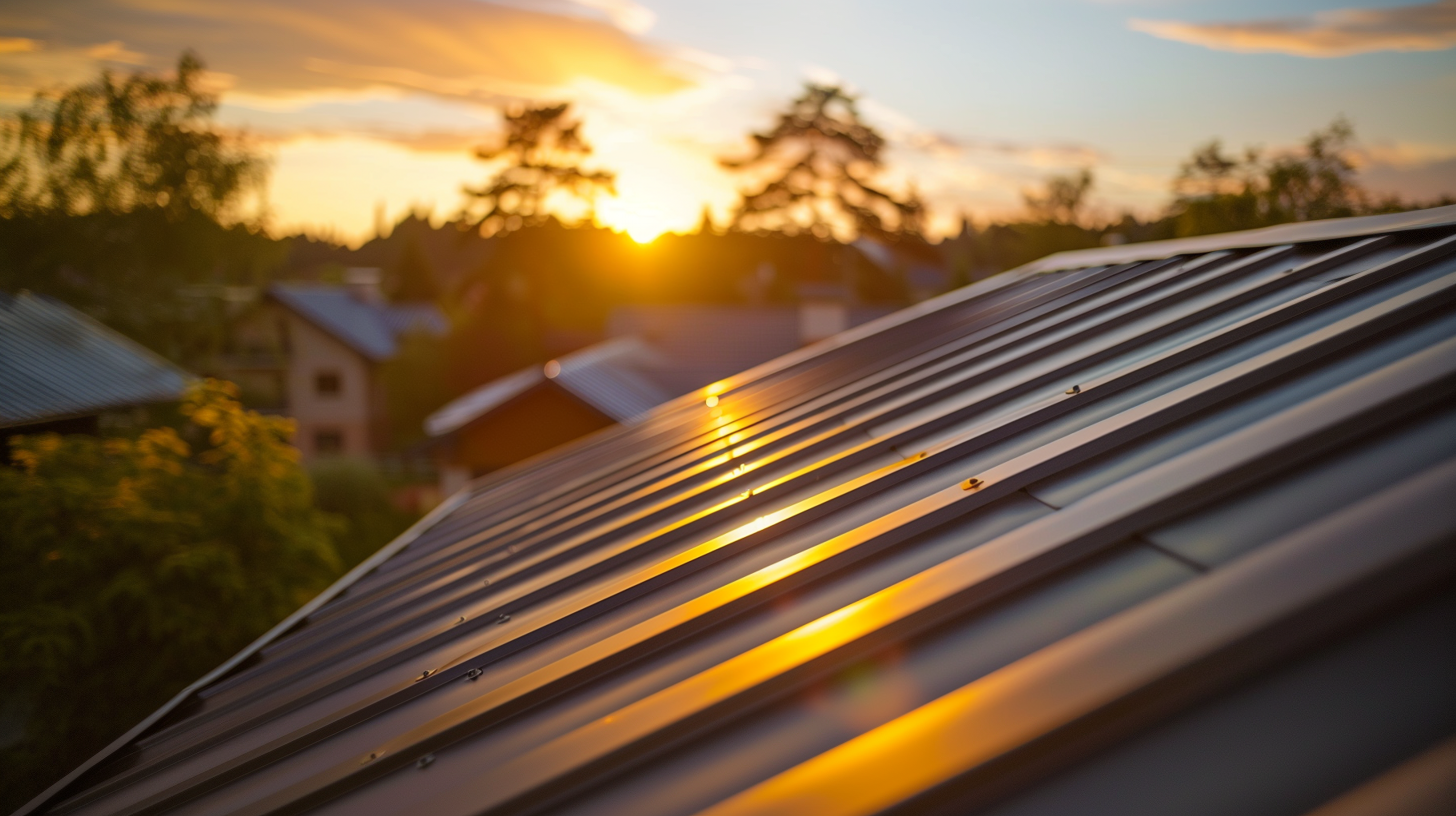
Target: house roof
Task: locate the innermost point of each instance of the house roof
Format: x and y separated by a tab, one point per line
372	329
657	353
1167	535
56	362
700	344
605	376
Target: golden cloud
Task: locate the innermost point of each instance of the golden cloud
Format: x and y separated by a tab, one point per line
1424	27
293	48
17	45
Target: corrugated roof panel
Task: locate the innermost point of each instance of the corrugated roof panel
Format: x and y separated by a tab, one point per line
55	362
1061	491
609	377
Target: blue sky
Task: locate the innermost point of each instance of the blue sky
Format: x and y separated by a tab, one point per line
370	104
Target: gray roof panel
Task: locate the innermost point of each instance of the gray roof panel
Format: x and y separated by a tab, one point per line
371	329
55	362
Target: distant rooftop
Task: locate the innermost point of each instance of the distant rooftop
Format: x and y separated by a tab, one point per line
608	376
372	328
57	363
656	353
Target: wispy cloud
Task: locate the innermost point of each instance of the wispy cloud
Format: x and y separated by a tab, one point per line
1342	33
283	48
17	45
1405	154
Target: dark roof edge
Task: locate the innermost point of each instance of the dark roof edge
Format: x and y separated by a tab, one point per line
344	582
1296	233
11	426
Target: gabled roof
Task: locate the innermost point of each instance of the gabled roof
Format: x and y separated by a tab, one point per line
658	352
56	362
605	376
1166	534
611	377
372	329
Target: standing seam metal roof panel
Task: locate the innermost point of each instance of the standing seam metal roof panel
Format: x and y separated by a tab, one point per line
946	561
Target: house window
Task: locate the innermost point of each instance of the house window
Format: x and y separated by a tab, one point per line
328	442
327	383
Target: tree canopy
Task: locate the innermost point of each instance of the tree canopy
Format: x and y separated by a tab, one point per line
1063	199
114	145
1218	192
411	278
540	159
821	160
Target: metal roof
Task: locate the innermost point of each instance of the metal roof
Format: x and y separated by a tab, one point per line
657	353
605	376
1145	536
372	329
56	362
612	377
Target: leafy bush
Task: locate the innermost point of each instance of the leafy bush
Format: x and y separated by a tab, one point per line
131	567
358	493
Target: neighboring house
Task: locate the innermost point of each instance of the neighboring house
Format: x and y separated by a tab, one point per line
656	353
1155	529
63	371
313	352
925	275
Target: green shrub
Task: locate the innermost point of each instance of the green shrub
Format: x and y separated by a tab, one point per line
132	567
358	493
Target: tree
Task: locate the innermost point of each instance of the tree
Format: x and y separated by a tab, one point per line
412	277
1216	192
540	173
821	159
133	566
1063	199
118	145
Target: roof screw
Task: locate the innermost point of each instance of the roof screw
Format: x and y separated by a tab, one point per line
473	675
971	484
1076	389
425	673
460	619
366	760
486	582
425	761
503	619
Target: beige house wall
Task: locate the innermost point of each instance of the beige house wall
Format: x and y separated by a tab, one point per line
275	344
349	413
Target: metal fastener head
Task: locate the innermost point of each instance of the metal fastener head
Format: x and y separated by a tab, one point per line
460	619
1076	389
503	619
473	675
971	484
425	761
368	759
425	673
486	582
